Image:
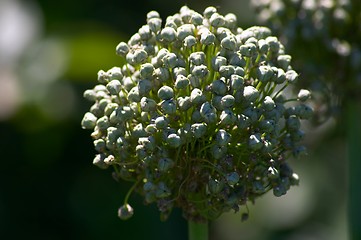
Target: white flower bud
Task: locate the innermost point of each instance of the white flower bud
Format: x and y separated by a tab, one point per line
236	82
231	20
197	58
236	59
243	121
227	101
263	46
197	96
113	134
89	121
90	95
284	61
103	77
217	62
148	104
144	87
180	71
226	71
122	49
223	137
161	122
145	33
253	113
99	161
216	102
174	140
181	82
165	93
232	178
198	129
138	131
248	50
151	129
99	145
189	41
217	20
255	141
268	104
303	95
208	112
152	14
147	142
125	212
185	14
279	75
155	24
291	76
196	19
168	34
161	74
115	73
273	43
200	72
146	70
227	118
209	11
140	56
170	60
250	93
169	106
264	73
219	87
184	31
114	87
229	43
295	180
169	23
207	38
194	81
134	40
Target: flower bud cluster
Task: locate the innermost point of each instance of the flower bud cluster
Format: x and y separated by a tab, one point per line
312	18
317	33
197	118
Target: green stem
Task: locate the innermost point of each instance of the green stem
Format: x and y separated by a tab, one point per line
354	155
197	231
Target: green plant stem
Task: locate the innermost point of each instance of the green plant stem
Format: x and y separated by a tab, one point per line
197	231
354	161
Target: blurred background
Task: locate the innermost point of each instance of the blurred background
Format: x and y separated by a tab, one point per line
50	52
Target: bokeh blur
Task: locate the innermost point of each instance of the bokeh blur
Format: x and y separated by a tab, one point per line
50	52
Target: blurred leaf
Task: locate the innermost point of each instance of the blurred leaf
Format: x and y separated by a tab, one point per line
90	51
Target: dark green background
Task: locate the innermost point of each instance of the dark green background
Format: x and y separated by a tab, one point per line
49	188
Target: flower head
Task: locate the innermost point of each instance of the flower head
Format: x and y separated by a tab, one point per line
199	121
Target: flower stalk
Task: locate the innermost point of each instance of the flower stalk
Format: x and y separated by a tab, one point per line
197	231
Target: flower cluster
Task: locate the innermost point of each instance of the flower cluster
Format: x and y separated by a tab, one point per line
198	117
330	31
